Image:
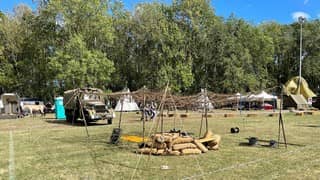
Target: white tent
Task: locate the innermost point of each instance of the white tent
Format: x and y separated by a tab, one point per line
1	106
203	100
128	103
263	96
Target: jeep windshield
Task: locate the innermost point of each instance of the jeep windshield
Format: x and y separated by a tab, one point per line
91	97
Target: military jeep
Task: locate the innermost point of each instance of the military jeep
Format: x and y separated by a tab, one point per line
86	104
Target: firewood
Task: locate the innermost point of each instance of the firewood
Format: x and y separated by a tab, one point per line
147	150
181	140
190	151
229	115
216	147
184	115
159	145
252	115
183	146
160	152
214	144
208	134
200	146
174	153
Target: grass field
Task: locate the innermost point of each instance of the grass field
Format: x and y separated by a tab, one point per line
44	148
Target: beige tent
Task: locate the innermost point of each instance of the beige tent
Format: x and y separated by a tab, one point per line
298	92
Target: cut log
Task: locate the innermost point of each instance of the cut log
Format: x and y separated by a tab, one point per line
159	145
216	147
147	150
178	147
229	115
208	115
184	115
273	114
203	140
214	144
174	153
252	115
181	140
309	113
200	146
190	151
170	115
160	152
208	134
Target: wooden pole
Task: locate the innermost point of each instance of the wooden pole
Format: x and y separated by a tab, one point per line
206	109
143	115
120	118
281	124
83	116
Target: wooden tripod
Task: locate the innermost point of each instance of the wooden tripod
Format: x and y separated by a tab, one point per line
281	124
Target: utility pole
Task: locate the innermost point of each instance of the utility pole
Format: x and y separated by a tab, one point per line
301	21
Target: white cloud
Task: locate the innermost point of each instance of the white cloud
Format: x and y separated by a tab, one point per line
319	15
297	14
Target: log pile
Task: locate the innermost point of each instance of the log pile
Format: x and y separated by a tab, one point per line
177	144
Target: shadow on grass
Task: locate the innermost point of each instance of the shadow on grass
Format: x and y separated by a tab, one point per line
76	123
266	145
257	145
311	126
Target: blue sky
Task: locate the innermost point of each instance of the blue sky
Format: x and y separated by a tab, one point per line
254	11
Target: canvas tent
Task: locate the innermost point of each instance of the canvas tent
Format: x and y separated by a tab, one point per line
128	103
10	103
292	87
297	93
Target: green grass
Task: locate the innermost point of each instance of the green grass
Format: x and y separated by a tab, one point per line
49	149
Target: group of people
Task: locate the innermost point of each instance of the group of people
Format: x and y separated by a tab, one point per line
149	111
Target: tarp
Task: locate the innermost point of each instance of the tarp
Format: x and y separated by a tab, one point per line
292	88
128	103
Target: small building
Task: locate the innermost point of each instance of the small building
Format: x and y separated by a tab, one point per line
10	104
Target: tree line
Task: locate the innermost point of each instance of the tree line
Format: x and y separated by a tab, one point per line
69	44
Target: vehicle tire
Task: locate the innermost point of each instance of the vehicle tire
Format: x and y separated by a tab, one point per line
70	116
109	121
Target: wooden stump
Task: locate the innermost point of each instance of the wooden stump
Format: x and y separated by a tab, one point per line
252	115
184	115
208	115
171	115
309	113
273	114
229	115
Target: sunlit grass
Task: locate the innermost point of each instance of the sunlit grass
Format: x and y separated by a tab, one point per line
49	149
